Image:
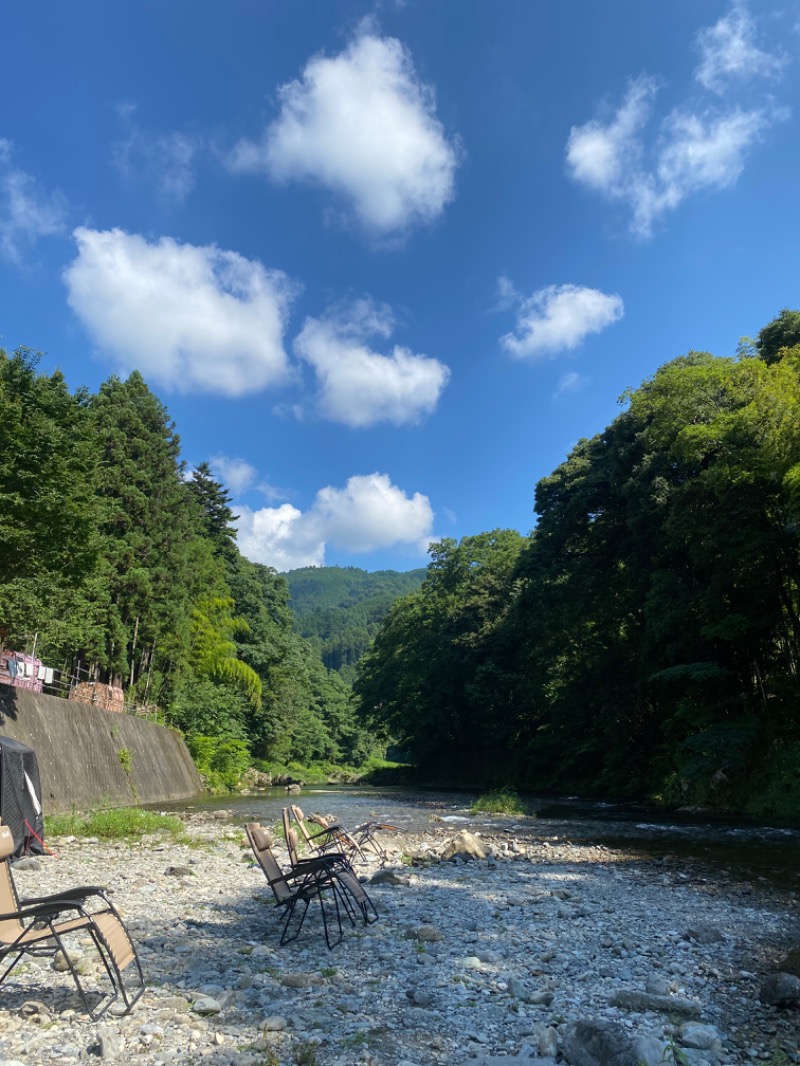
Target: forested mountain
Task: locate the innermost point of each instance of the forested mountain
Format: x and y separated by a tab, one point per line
125	570
646	636
339	609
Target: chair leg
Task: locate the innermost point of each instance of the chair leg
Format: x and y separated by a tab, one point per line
325	918
285	938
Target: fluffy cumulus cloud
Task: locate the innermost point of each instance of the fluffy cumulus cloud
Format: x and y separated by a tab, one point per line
362	124
558	318
368	514
695	147
361	387
27	211
194	319
729	52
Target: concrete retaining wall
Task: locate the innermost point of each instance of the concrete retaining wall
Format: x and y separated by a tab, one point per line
82	753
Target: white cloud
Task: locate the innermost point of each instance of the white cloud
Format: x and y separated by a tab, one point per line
237	474
368	514
569	382
558	318
195	319
27	212
362	124
167	160
729	52
694	147
697	152
602	155
358	386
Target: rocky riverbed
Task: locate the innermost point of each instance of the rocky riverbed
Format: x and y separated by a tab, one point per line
538	952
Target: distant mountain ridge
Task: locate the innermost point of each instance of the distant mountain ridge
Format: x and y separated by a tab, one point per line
339	609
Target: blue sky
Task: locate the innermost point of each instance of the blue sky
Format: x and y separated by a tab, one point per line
385	263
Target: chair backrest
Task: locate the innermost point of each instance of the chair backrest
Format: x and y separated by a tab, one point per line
10	928
320	820
291	838
261	841
300	818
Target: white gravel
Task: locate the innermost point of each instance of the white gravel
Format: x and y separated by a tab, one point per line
481	958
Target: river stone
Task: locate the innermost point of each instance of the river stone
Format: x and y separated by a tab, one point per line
425	933
464	845
695	1035
543	998
598	1043
524	1056
110	1043
28	863
548	1042
296	980
206	1005
705	934
642	1001
657	986
781	990
650	1051
388	877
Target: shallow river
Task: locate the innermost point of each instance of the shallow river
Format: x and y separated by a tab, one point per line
732	849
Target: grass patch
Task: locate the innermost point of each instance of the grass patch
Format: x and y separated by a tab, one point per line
499	801
117	823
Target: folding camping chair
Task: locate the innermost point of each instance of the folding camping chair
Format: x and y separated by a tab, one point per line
38	926
338	865
329	837
297	887
364	837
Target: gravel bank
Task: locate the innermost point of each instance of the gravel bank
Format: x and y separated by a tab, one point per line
487	958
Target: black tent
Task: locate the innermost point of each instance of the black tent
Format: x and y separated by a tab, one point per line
21	796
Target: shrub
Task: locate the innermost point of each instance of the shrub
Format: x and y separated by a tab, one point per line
499	801
119	823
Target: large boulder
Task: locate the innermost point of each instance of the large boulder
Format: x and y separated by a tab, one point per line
599	1043
464	845
781	990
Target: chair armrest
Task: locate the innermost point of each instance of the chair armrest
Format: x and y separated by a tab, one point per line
322	862
79	893
44	910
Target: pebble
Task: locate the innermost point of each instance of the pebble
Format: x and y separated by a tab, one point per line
497	960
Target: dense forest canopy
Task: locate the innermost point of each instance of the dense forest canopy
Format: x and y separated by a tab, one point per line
645	637
339	609
125	570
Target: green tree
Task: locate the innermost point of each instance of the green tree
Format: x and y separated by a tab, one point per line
48	542
434	677
782	332
218	522
148	533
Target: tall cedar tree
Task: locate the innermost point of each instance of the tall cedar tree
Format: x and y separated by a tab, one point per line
48	543
147	533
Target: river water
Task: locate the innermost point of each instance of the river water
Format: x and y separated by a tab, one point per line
732	849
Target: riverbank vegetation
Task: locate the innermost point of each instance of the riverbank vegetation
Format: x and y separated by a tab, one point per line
645	638
117	823
499	801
